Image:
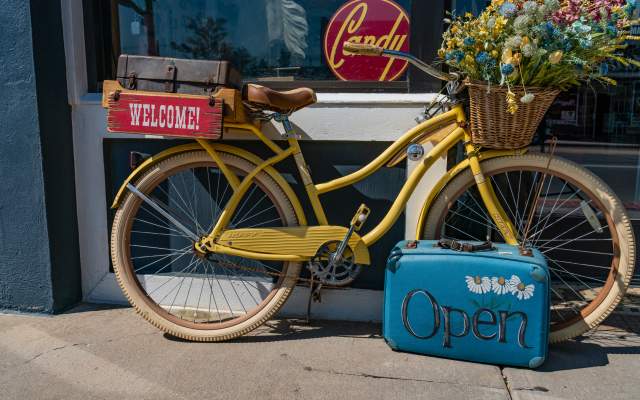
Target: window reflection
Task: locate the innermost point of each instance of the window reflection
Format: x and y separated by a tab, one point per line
265	39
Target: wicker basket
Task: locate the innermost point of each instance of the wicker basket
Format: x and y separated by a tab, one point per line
494	127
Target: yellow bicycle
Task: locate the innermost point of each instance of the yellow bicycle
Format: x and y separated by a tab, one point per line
209	240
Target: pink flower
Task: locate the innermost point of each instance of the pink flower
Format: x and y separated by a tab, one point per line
595	10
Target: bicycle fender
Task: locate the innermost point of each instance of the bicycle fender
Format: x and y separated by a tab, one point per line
452	173
252	158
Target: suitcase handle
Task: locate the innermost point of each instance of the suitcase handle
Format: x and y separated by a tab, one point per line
454	245
392	261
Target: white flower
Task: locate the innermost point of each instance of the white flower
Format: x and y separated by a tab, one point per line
552	4
513	42
542	12
527	98
521	23
530	7
528	50
477	284
519	289
500	285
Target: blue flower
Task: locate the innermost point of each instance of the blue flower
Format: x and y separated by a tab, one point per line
482	57
507	69
508	9
585	43
568	46
469	41
550	30
612	30
604	69
579	27
455	55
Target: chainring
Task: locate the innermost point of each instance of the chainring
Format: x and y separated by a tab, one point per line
342	273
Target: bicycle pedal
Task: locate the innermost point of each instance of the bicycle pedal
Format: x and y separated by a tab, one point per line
360	217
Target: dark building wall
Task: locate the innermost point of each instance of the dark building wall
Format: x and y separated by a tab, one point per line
39	263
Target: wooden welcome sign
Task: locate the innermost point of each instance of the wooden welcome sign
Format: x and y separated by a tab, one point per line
165	114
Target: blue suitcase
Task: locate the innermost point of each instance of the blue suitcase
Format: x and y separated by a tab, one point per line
487	306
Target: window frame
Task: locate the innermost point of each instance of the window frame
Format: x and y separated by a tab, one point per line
426	26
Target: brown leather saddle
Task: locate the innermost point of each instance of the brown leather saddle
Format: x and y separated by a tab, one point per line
263	98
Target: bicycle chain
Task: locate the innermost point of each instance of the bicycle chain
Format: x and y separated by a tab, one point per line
278	274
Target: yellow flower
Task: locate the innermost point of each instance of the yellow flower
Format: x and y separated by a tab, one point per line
494	53
468	15
507	56
555	57
469	59
454	29
512	104
441	52
515	60
524	42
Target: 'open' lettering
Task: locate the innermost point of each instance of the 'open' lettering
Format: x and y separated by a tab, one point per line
482	316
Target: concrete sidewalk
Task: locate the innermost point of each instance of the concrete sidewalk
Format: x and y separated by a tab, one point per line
96	352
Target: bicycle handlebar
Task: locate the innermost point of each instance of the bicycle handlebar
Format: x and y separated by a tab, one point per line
373	50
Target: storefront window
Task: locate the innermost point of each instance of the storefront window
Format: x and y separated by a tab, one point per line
267	40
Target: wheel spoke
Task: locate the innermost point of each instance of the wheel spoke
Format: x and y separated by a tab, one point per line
580	252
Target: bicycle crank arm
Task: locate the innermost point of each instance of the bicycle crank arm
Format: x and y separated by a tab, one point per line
162	212
356	223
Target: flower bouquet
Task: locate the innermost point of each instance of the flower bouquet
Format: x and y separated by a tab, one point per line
518	55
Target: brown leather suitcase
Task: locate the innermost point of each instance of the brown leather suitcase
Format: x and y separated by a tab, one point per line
175	75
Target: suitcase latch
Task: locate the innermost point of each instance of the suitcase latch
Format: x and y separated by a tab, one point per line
131	81
412	244
170	82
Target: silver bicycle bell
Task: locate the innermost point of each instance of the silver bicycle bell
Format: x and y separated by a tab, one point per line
415	152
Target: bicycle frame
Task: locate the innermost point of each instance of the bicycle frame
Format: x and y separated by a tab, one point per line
305	247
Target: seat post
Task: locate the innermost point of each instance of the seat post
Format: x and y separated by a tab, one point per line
288	128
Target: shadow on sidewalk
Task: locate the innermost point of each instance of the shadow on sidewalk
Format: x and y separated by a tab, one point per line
90	307
619	334
299	329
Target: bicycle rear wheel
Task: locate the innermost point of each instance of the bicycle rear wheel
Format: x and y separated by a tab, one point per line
171	285
579	225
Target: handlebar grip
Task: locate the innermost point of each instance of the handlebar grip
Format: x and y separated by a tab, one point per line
362	49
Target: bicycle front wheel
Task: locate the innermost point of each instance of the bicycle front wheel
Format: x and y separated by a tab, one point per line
578	224
176	289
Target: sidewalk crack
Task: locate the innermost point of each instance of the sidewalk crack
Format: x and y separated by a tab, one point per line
506	383
394	378
35	357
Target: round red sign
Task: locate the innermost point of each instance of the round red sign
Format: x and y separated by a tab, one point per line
380	22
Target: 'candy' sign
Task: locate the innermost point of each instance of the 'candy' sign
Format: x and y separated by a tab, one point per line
380	22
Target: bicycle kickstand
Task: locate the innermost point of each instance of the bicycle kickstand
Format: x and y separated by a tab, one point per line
315	295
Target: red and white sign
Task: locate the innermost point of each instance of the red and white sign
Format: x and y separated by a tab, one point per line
380	22
190	117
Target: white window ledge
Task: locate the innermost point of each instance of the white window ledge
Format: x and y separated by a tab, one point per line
333	98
